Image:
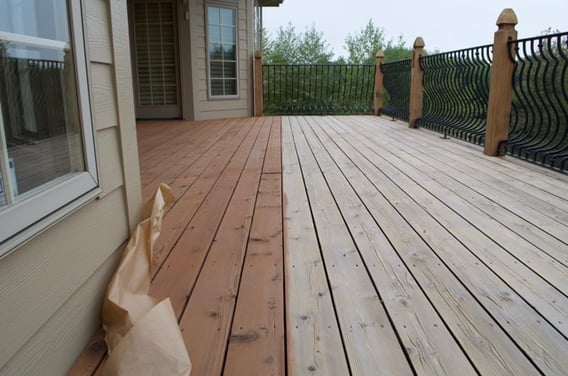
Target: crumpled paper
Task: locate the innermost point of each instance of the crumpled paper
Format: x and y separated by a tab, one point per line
143	337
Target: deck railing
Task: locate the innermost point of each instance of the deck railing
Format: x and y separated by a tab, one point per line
318	89
510	96
397	87
456	92
539	119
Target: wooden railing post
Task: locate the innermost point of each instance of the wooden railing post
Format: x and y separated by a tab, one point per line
379	83
500	85
258	86
416	84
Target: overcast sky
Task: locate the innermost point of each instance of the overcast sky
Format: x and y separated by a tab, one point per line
444	24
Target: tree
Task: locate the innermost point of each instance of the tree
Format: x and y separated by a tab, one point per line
314	48
363	46
290	47
397	50
284	48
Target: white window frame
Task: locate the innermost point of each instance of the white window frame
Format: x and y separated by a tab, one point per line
40	208
236	10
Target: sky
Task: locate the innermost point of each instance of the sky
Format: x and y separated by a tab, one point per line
445	25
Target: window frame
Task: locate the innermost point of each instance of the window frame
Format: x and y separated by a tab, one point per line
46	205
234	8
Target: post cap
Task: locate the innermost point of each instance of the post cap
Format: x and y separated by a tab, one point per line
419	43
380	54
258	54
507	17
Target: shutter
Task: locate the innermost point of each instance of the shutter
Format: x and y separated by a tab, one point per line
156	57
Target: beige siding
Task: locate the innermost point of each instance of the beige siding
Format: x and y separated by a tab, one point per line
51	288
206	108
104	97
111	169
46	354
100	48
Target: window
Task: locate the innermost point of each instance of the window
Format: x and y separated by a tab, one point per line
47	158
222	51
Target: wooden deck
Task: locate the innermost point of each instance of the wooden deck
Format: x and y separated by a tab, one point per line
353	245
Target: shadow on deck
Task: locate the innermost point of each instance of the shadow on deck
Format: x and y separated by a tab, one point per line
353	245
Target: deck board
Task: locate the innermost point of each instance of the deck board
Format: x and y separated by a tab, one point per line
314	341
429	345
484	281
256	345
210	306
354	245
489	241
458	309
369	339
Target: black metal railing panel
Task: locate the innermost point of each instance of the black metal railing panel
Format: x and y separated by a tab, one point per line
539	119
456	92
334	89
396	82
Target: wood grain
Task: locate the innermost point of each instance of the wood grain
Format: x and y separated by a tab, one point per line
370	341
314	341
210	308
256	345
339	245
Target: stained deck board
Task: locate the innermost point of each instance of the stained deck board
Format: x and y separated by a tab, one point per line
195	186
199	234
460	257
256	345
195	144
210	308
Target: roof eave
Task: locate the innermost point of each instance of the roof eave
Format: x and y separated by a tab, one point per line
270	3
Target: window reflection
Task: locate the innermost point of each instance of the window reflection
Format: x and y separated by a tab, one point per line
40	141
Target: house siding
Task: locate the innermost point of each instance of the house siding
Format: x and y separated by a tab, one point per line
204	106
51	288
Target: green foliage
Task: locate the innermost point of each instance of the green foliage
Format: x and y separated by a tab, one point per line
291	47
310	47
284	48
398	50
363	46
318	89
549	31
314	48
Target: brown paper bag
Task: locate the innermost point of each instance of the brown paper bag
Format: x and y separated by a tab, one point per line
143	337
